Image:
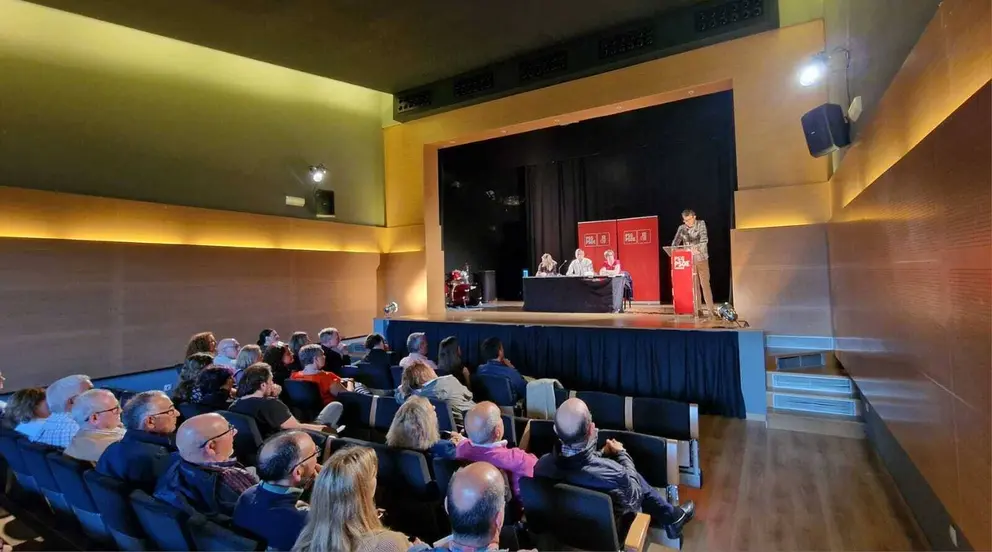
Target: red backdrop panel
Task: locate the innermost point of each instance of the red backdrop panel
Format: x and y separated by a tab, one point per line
638	254
595	237
682	282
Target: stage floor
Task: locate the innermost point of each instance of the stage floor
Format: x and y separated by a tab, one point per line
641	317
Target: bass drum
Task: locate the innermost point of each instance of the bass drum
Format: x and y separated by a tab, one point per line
462	296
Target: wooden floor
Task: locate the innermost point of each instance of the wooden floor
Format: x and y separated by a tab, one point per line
783	490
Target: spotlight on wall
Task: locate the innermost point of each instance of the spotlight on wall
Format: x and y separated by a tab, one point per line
726	312
814	70
318	173
390	309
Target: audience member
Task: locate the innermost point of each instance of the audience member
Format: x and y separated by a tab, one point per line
280	359
214	388
98	415
272	510
249	354
227	353
267	338
60	427
420	379
449	361
312	358
195	363
343	516
145	452
415	428
205	479
484	429
334	350
203	342
475	505
378	351
297	342
258	397
498	365
577	461
26	412
416	346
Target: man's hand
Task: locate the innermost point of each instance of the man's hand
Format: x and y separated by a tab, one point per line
507	363
456	437
612	447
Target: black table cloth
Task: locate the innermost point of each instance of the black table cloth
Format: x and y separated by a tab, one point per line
573	294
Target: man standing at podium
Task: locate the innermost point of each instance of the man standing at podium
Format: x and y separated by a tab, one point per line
692	233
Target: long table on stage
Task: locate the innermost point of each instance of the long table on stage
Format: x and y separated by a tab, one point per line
573	294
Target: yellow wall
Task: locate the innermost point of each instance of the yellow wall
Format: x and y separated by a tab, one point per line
768	102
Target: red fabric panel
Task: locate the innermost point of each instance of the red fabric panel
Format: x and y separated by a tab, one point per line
638	255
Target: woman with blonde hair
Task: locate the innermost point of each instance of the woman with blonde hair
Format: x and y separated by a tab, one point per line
343	516
415	428
419	379
548	266
249	354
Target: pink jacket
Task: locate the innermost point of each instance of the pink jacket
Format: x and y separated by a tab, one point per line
512	460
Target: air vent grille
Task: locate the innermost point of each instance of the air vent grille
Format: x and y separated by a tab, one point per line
817	405
474	84
709	19
415	100
626	42
804	383
543	66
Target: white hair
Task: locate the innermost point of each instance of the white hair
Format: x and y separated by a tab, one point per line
326	332
414	340
61	391
89	403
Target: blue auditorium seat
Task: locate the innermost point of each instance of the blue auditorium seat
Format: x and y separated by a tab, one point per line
68	474
248	439
165	526
208	535
112	499
496	389
305	397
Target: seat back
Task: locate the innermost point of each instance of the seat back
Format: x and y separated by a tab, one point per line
248	439
445	419
208	535
188	409
397	373
304	396
542	437
373	377
385	409
68	473
357	412
510	430
34	455
492	388
573	516
444	470
165	526
663	418
656	458
111	497
607	409
10	449
401	472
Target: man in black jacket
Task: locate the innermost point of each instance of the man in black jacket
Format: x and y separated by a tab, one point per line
335	354
145	452
576	461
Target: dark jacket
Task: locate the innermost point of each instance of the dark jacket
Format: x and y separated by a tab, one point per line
517	382
209	489
333	360
270	513
138	459
380	358
589	469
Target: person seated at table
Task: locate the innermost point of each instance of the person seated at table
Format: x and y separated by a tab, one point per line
548	266
611	266
580	266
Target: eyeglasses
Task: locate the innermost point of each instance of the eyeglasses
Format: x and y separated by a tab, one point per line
230	429
169	411
116	407
301	462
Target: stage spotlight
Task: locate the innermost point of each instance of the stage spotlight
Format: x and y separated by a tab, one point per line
813	72
317	173
727	312
390	309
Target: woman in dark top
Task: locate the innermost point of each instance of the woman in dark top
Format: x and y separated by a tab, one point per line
279	358
267	338
415	428
296	342
449	361
194	364
213	388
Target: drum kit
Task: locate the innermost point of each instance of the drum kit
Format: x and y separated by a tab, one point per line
459	290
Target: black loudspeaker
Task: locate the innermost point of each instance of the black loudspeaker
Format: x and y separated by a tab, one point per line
486	281
826	129
323	201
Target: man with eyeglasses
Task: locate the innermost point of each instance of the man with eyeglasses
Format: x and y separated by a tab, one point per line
227	353
147	448
205	479
98	415
272	510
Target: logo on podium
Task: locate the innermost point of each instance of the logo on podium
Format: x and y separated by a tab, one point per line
680	263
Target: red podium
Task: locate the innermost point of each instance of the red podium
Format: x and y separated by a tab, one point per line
685	294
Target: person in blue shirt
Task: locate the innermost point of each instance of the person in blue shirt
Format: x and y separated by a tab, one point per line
272	510
498	365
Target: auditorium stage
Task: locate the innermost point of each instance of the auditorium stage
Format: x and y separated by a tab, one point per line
644	352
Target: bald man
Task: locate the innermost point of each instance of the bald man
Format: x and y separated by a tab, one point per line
475	502
577	461
484	429
205	479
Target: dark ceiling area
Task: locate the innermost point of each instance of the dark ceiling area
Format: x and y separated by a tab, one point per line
386	45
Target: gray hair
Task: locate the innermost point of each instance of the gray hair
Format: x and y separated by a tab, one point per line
250	354
688	213
472	525
326	332
60	392
308	354
414	340
88	403
485	433
138	408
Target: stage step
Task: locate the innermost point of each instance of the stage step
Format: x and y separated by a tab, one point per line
814	403
819	383
839	426
808	390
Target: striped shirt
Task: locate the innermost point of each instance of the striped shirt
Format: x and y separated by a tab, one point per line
695	236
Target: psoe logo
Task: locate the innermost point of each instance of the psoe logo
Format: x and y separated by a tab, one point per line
644	236
680	263
629	236
604	238
589	240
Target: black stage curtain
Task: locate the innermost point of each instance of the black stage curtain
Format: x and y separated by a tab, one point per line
702	367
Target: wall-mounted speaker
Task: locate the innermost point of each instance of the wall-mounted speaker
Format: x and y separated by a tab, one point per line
826	129
323	201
